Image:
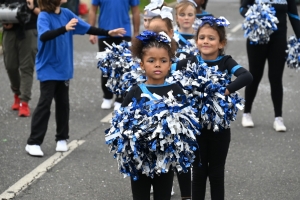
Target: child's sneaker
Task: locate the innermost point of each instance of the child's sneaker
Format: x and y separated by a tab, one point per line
16	104
278	125
247	120
117	105
62	146
34	150
106	104
24	110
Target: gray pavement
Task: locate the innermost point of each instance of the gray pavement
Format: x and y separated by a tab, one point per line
261	164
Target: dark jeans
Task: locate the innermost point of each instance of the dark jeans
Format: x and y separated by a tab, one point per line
117	40
213	151
59	90
162	186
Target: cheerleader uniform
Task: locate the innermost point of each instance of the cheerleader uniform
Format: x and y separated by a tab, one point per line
214	145
162	184
273	51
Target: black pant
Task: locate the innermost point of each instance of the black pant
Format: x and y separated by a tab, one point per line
274	52
59	90
184	180
213	151
108	94
162	186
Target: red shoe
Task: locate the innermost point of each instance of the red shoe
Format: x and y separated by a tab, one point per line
16	104
24	110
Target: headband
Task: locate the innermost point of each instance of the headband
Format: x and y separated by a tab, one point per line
148	36
221	21
191	1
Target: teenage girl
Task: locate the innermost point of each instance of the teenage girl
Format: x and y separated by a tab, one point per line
211	41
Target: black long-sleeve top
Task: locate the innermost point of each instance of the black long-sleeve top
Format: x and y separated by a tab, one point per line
49	35
244	77
282	8
161	90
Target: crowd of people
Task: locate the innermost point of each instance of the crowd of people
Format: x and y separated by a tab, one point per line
172	44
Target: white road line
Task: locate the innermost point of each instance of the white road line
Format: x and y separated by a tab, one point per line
236	28
107	118
28	179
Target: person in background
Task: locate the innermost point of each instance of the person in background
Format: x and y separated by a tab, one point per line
113	14
19	49
201	6
274	52
54	68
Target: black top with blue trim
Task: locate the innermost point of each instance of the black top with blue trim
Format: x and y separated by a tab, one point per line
183	42
282	8
224	63
161	90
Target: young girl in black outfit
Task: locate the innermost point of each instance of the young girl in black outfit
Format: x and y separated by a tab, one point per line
211	40
274	52
156	62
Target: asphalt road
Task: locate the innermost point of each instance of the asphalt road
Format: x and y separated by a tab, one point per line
261	164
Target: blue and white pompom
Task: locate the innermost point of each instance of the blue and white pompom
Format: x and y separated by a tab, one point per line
122	70
189	48
293	51
205	88
260	22
152	136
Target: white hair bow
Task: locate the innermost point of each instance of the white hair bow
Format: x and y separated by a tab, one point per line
193	2
164	12
154	4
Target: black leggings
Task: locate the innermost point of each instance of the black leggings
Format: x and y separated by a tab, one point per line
274	51
184	180
213	151
162	186
106	93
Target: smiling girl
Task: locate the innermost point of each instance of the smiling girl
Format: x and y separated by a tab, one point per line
211	41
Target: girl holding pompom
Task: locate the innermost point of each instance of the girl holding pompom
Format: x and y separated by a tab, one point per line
274	52
211	41
154	130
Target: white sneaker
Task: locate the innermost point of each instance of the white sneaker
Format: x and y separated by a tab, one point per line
247	120
62	146
278	125
117	105
34	150
106	104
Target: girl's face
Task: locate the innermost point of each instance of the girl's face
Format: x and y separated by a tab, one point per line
146	21
208	43
185	18
63	1
199	2
156	63
160	24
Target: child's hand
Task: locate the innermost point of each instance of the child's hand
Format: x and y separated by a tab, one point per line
7	26
117	32
71	25
227	92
